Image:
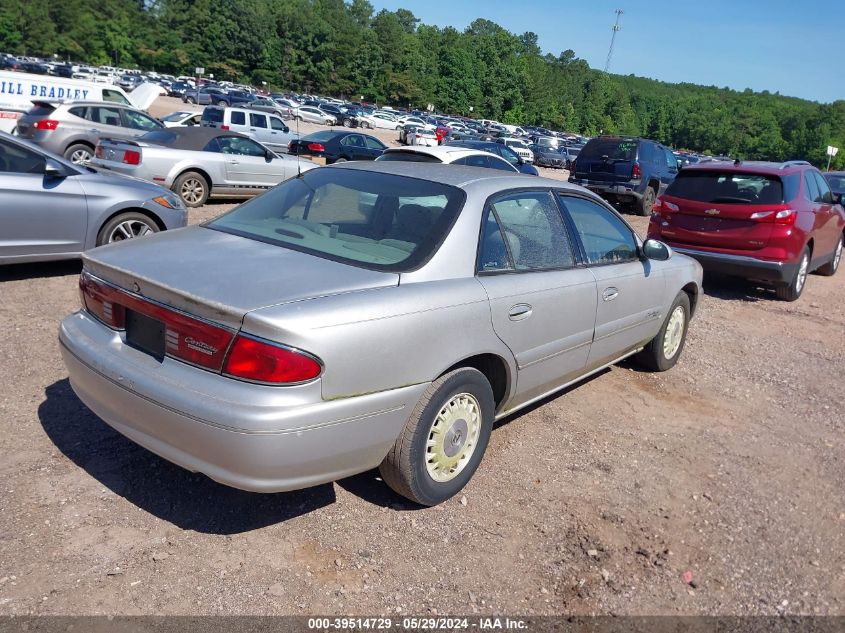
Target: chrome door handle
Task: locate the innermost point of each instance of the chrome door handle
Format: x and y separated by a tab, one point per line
610	294
233	162
520	311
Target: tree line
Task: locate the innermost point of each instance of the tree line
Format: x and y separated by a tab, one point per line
344	48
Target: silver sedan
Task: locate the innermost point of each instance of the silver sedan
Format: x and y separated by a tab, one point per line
52	209
368	314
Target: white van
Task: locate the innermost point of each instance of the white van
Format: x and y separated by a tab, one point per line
17	90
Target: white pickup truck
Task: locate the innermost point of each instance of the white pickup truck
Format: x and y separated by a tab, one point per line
17	90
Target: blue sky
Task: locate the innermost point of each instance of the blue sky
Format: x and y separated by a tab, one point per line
794	47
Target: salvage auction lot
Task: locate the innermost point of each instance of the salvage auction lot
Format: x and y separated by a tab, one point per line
717	487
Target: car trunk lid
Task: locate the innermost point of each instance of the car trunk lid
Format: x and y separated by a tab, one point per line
119	155
608	160
220	277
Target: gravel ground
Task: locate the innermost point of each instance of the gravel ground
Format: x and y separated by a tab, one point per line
715	488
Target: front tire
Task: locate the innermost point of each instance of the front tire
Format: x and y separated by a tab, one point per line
126	226
222	103
444	440
832	266
799	280
664	350
193	188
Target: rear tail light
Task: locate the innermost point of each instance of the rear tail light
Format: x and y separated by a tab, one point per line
259	361
784	216
664	205
46	124
316	147
636	172
131	157
199	342
224	127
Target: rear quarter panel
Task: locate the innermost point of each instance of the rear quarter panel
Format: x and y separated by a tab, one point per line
386	338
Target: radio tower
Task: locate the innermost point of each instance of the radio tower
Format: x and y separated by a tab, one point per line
616	28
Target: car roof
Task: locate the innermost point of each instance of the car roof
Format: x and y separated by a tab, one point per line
192	138
750	166
456	175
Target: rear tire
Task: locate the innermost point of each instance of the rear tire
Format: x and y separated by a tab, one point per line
126	226
347	123
664	350
444	440
832	266
79	153
792	291
646	203
190	100
192	188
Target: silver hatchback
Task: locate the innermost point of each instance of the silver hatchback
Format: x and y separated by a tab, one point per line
73	129
368	314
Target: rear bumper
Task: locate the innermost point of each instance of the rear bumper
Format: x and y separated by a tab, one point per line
608	189
248	436
741	265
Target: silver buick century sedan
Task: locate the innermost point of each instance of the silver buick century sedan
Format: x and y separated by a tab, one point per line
368	314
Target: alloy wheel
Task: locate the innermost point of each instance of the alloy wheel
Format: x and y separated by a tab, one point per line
128	230
192	191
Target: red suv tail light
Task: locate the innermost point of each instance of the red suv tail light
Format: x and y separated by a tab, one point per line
131	157
316	147
636	172
46	124
782	216
200	343
259	361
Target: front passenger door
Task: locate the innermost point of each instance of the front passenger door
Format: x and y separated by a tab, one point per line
247	166
630	291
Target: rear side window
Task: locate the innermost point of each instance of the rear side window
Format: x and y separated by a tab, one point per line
811	189
257	120
613	148
213	115
238	118
726	187
106	116
81	111
824	190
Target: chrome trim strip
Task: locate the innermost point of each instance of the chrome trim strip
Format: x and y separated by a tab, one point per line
691	252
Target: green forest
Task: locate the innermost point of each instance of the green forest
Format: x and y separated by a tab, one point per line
332	47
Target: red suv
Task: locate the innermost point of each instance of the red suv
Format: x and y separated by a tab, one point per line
770	222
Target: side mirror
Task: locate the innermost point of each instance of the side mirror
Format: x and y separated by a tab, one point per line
52	169
269	155
839	198
656	250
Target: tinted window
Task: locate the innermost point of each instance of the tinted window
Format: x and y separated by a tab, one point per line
811	189
43	109
373	143
412	157
824	190
353	140
139	121
476	160
237	118
240	146
213	115
325	135
837	181
257	120
606	238
533	231
613	148
106	116
499	163
80	111
277	124
378	221
509	155
20	160
727	187
493	253
671	160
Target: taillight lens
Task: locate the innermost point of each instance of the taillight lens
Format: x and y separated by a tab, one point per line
636	172
316	147
224	127
46	124
251	359
783	216
97	299
664	205
131	157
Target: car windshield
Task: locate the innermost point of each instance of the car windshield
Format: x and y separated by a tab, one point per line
373	220
176	116
836	181
727	187
613	148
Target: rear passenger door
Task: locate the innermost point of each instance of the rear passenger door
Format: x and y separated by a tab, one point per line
108	122
630	291
542	303
827	227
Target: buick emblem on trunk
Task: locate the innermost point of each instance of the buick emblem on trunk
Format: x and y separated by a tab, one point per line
711	211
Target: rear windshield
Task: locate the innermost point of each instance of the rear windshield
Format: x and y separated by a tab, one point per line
42	109
836	181
409	157
613	148
727	187
215	115
325	135
373	220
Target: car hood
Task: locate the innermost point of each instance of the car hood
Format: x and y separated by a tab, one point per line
113	178
221	277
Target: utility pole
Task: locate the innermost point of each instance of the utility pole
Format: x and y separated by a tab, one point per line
616	28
